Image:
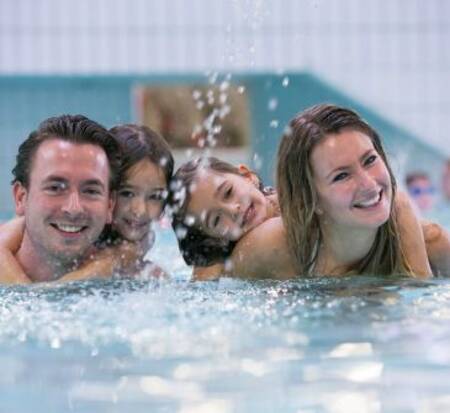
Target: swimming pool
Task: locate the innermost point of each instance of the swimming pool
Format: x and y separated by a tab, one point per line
364	344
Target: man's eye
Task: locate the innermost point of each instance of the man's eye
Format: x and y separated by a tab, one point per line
340	177
370	160
93	191
55	187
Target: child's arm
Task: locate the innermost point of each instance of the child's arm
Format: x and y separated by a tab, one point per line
412	237
106	262
11	235
437	241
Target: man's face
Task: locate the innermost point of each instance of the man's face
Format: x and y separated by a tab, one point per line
68	201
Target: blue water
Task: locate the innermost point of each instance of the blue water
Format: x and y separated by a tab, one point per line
361	344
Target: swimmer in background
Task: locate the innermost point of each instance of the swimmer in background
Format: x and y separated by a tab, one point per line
145	170
446	182
227	223
421	191
337	193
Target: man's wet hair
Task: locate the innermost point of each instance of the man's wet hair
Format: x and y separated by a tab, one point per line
77	129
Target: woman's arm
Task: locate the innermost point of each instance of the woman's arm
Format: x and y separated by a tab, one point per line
437	242
11	235
412	237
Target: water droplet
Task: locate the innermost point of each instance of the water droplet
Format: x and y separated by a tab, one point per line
224	86
257	161
273	104
223	98
181	232
55	343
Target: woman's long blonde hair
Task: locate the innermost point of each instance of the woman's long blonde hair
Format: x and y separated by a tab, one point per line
298	196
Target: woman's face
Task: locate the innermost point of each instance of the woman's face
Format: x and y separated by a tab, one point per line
140	200
352	182
227	205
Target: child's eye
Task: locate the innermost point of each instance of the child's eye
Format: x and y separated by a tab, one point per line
126	193
370	160
340	177
216	221
157	196
228	192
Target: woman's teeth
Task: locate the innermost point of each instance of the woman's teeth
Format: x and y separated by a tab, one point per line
370	202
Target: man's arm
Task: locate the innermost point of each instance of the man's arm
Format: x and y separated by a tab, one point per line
11	235
437	241
412	237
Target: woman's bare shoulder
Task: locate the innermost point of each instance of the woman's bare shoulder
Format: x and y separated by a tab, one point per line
263	252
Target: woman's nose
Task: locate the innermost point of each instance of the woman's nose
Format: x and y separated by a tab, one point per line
367	181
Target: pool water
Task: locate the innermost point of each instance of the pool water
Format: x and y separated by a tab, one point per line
361	344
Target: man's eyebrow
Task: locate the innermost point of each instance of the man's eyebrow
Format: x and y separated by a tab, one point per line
55	178
94	181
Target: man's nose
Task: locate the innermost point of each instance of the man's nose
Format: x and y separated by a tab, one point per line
72	205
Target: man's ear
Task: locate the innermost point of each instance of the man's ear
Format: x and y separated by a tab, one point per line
20	197
246	172
111	205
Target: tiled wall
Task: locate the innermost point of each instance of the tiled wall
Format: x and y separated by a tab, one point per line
393	55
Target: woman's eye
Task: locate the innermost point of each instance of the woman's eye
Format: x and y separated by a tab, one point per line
340	177
370	160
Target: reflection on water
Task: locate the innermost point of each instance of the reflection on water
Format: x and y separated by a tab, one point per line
365	344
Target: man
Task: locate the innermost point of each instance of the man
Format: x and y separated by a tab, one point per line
63	182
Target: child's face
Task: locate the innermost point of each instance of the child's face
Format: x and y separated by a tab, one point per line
140	200
226	205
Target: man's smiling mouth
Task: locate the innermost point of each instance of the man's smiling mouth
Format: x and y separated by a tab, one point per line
70	229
